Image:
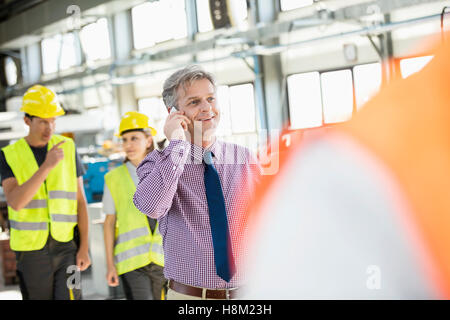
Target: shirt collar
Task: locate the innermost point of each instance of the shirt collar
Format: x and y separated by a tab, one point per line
198	151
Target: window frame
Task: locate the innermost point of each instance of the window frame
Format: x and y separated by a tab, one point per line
110	42
320	71
354	87
60	44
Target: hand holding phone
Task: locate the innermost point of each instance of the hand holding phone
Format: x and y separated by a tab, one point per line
176	124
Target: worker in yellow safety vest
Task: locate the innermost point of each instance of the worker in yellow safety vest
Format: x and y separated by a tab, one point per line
43	185
132	240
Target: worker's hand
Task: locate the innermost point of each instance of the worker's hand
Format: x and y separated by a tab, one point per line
83	260
54	155
176	125
112	277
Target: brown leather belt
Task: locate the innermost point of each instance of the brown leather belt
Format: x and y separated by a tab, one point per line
224	294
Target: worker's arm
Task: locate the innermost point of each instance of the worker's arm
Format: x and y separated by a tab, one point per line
108	234
159	172
83	260
18	196
158	179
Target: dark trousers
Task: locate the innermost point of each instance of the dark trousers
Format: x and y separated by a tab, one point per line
146	283
49	273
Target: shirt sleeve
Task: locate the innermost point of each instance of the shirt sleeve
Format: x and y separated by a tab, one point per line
108	202
5	169
158	178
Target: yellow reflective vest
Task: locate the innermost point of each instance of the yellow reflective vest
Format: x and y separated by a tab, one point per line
135	246
54	204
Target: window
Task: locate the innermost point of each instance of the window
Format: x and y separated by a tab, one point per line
237	109
204	22
58	48
156	111
305	101
97	96
237	115
95	40
223	104
286	5
238	10
316	98
337	95
158	21
367	79
10	71
413	65
242	108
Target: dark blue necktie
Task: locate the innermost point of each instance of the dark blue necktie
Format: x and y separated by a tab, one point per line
223	256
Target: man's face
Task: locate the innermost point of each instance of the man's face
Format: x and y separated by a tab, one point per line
198	101
41	129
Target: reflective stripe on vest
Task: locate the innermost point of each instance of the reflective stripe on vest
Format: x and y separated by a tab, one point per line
133	229
130	235
28	225
64	218
157	248
54	201
36	204
58	194
142	249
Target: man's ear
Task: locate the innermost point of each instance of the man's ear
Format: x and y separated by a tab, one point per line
27	121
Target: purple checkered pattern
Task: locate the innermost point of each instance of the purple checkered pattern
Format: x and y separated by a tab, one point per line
171	189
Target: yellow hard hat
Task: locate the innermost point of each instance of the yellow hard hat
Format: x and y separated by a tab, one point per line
41	102
134	120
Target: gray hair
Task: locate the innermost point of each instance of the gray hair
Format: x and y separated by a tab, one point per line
183	77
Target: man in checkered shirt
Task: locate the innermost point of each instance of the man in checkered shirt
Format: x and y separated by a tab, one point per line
172	188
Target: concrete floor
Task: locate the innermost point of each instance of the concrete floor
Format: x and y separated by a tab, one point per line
10	292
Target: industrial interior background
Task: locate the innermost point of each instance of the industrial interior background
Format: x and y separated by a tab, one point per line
271	58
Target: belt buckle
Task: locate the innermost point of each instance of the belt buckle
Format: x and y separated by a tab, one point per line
227	294
204	293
